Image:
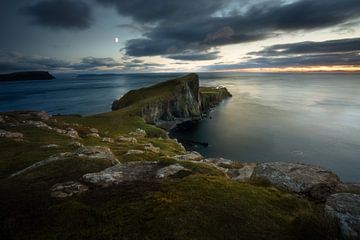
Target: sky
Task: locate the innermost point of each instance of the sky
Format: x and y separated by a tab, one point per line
179	36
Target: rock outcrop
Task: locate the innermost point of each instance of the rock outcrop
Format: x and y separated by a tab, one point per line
172	102
67	189
311	181
127	172
346	207
33	75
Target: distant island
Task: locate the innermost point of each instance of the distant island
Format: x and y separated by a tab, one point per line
31	75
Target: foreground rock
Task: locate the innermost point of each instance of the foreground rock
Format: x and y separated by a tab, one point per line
91	152
189	156
171	170
346	207
311	181
127	172
67	189
11	135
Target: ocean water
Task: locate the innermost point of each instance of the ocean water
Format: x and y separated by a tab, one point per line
308	118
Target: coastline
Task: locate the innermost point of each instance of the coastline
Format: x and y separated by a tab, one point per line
123	148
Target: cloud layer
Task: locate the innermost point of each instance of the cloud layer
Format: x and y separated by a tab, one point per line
345	52
199	26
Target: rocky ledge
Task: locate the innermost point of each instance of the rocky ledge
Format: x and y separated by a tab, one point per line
173	102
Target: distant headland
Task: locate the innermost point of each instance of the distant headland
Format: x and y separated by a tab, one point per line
31	75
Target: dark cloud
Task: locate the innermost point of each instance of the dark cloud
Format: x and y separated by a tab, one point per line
333	46
303	54
201	25
195	56
60	14
93	63
146	11
10	62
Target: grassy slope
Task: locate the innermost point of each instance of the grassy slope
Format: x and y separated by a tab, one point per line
204	205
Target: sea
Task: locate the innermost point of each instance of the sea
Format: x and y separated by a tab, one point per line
311	118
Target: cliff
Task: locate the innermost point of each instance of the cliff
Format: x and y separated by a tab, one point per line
33	75
172	102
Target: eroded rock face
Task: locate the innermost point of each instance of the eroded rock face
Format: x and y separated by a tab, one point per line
170	170
312	181
182	101
189	156
67	189
127	172
346	207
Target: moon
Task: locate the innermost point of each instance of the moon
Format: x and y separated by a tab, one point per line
116	39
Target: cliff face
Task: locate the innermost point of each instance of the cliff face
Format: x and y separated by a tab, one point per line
173	101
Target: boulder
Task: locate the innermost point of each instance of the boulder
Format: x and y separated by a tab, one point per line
234	170
76	144
138	133
107	139
96	152
13	135
189	156
38	124
127	172
134	151
94	130
70	132
50	146
346	207
67	189
311	181
151	148
126	139
170	170
94	135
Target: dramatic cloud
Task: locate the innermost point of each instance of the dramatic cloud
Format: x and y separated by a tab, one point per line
333	46
10	62
344	52
60	14
180	26
156	10
94	63
195	56
17	62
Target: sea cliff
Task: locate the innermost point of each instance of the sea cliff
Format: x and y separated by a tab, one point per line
173	102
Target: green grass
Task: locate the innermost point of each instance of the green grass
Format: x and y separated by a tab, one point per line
194	207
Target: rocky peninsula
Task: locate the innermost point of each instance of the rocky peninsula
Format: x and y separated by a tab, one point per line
33	75
118	175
